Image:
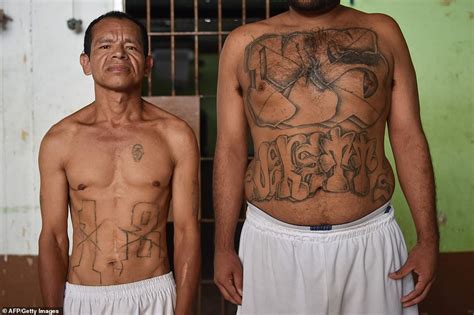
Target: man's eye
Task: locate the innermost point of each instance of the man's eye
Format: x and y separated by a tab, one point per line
131	48
104	47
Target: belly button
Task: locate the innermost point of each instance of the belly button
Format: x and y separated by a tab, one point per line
156	183
81	187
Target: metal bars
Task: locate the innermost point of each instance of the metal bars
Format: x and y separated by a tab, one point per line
148	28
196	48
196	33
219	24
173	50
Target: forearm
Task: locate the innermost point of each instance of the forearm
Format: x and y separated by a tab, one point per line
53	267
416	177
187	263
229	172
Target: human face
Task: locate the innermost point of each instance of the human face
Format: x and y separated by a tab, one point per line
116	59
313	5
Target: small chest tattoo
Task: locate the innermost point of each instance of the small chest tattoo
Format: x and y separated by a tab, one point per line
137	152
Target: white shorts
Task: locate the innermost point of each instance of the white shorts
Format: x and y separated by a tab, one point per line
341	269
151	296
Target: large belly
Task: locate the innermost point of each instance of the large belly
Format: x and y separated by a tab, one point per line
120	244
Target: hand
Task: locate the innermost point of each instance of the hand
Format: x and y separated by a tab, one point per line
228	275
422	260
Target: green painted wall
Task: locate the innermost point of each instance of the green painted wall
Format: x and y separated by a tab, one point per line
440	34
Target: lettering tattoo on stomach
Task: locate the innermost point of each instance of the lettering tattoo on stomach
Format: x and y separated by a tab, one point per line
101	244
333	81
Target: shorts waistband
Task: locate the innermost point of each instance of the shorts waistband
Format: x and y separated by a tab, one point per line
372	221
161	283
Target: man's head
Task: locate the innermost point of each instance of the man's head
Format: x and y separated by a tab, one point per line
115	15
313	5
116	52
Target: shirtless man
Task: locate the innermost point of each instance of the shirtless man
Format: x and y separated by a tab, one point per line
317	85
117	163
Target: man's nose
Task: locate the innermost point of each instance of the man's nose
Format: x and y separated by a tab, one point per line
119	52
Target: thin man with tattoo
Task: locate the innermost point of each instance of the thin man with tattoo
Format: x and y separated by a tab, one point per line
118	163
317	85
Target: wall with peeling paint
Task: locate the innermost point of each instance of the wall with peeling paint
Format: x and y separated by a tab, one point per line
41	81
440	34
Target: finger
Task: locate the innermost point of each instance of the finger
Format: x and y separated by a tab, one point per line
419	288
420	298
238	281
401	273
235	291
225	293
231	290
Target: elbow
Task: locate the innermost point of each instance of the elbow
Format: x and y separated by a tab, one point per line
405	132
231	157
407	138
50	241
188	236
231	149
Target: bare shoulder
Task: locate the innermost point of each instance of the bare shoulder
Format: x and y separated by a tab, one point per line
243	35
383	22
235	45
177	133
55	143
63	131
386	26
378	22
390	34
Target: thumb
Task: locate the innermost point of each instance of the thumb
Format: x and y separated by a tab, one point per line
401	273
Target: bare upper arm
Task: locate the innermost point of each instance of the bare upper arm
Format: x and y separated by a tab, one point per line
231	120
54	185
404	115
185	183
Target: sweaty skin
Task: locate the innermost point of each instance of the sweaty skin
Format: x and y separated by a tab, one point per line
316	91
116	163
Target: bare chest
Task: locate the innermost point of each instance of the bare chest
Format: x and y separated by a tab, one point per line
118	162
321	78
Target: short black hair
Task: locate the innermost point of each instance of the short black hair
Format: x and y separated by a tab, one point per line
115	15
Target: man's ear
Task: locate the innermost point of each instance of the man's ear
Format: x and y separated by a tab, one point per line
86	64
148	65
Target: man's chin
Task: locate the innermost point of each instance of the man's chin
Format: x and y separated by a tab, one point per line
312	6
122	87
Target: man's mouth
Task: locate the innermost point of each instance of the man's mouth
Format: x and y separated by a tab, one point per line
118	68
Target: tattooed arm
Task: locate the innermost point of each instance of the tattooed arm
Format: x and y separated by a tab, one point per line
230	162
53	241
185	204
415	171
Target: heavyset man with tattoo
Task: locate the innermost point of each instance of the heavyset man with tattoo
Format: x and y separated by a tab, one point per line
317	85
117	163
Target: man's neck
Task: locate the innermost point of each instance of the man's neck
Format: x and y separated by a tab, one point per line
312	16
118	107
